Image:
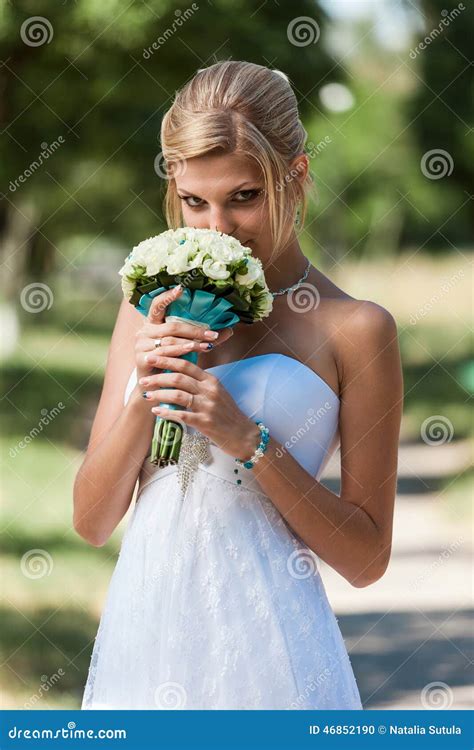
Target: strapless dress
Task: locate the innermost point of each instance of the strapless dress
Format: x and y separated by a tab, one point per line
215	602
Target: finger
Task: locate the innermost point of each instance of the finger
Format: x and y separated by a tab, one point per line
176	365
176	330
169	396
169	380
157	311
174	350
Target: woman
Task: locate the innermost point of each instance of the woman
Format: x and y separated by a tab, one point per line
216	601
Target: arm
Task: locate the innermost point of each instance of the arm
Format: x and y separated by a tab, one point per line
121	436
353	532
119	440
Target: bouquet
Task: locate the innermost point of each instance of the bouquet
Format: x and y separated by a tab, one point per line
222	285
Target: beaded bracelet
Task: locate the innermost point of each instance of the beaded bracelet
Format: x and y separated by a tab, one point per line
261	448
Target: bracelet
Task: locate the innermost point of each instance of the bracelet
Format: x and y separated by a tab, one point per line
261	448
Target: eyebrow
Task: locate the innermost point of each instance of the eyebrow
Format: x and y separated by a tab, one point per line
234	190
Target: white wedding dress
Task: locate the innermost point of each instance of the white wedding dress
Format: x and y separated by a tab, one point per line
215	603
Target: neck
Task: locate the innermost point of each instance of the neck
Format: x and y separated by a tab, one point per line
287	269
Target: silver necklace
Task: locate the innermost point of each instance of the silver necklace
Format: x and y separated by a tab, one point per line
295	286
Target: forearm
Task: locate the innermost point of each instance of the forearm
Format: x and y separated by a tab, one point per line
339	532
106	481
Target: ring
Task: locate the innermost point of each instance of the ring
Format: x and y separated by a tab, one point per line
191	401
157	343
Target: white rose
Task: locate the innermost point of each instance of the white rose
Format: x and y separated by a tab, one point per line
253	274
215	269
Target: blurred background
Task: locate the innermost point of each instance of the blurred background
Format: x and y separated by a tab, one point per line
385	95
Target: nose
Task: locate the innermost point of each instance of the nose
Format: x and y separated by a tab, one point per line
220	220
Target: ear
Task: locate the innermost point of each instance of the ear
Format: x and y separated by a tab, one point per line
299	167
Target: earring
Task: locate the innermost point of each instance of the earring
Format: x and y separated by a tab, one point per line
298	217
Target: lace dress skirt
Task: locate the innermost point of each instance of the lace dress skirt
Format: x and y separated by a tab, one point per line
214	603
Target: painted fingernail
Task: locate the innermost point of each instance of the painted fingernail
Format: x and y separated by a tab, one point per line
145	394
211	334
206	346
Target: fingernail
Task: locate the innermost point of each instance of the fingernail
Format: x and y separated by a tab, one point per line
145	394
203	345
211	334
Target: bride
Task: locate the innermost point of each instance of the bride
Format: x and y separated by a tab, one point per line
216	600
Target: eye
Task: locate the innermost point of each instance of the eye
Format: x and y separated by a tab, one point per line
188	200
247	195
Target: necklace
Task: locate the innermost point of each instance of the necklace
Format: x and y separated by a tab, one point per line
295	286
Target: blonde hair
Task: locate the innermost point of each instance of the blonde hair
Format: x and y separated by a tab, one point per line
244	108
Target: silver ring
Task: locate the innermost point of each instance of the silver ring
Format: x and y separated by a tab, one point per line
157	343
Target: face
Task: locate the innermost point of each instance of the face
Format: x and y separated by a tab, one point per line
226	192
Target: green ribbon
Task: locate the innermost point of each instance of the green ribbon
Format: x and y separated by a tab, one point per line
195	305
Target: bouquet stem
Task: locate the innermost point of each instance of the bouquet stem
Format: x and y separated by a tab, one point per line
168	434
166	442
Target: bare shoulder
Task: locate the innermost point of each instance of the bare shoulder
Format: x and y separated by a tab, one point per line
366	344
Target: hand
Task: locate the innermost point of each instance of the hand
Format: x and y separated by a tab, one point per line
177	338
213	410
